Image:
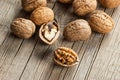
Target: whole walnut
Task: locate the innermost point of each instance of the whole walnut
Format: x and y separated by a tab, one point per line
23	28
42	15
77	30
66	1
30	5
100	21
110	3
83	7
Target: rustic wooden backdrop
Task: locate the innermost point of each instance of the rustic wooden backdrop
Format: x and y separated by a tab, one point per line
33	60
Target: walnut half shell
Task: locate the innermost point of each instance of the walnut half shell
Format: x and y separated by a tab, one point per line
49	32
65	57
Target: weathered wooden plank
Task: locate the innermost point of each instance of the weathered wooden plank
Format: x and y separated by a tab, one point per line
106	65
70	73
12	46
36	64
48	63
45	67
33	60
62	13
19	61
84	65
8	11
8	55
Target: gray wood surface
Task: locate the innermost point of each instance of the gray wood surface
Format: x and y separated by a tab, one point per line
31	59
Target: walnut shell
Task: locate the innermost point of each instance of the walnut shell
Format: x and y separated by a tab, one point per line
77	30
23	28
110	3
42	15
83	7
65	57
49	32
30	5
66	1
100	21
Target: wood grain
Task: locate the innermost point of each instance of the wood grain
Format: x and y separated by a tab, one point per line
31	59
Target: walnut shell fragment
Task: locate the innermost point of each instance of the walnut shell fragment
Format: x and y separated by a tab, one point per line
66	1
49	32
42	15
65	57
30	5
23	28
110	3
83	7
77	30
100	22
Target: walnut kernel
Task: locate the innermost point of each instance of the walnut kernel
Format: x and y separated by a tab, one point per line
65	57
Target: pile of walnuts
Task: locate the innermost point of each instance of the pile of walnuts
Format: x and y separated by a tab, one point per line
49	30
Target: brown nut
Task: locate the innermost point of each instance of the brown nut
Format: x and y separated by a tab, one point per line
42	15
65	57
30	5
100	21
110	3
83	7
49	32
77	30
23	28
66	1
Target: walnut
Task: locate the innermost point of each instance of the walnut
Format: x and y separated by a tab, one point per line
30	5
100	21
66	1
65	57
110	3
49	32
42	15
23	28
77	30
83	7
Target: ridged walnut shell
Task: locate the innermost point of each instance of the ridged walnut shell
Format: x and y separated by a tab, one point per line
65	57
49	32
83	7
66	1
42	15
23	28
77	30
30	5
110	3
100	22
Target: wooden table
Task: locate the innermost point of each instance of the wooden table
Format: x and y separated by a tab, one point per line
31	59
